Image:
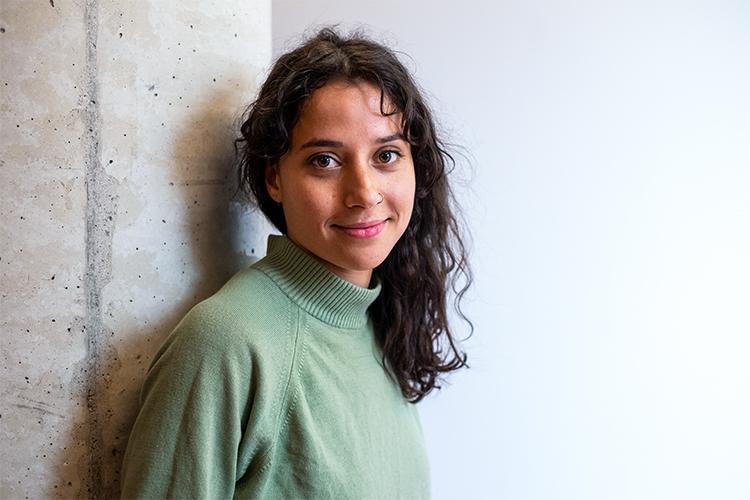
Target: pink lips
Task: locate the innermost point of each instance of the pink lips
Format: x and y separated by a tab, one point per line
363	229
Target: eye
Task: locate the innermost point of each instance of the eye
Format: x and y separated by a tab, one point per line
323	161
388	156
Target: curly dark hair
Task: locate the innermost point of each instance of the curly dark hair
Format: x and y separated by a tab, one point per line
430	259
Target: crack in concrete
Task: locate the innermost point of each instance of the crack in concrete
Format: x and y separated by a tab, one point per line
101	202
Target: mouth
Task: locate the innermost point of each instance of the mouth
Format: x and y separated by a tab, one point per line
362	229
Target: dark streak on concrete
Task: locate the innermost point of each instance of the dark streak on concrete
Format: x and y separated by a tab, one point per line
203	182
101	204
43	411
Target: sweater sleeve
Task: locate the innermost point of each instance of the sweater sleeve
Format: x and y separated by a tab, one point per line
185	439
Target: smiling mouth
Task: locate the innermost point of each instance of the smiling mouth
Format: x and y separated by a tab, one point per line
363	229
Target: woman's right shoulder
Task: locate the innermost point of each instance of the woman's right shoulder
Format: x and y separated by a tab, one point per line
248	316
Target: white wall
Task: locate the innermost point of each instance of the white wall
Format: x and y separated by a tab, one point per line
611	222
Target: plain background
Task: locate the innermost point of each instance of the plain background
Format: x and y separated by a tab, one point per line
608	200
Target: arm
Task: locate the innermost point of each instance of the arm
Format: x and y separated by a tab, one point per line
185	439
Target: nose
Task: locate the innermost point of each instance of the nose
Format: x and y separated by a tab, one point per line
360	185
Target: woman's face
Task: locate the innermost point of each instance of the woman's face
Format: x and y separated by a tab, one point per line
347	182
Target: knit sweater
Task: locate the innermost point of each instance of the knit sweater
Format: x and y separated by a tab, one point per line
274	388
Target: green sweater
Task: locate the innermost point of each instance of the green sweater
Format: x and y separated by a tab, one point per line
273	388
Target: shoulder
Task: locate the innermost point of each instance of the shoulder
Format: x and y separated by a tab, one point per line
249	317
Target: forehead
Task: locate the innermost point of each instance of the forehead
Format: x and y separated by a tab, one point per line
342	108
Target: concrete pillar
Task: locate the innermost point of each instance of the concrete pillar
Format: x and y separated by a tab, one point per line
116	169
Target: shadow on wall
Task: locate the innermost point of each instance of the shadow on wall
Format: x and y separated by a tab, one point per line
218	228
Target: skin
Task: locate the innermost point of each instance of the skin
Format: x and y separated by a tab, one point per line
347	165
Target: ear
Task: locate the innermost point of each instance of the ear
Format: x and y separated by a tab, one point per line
273	182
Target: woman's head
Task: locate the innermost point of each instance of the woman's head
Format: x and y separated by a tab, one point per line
267	131
427	247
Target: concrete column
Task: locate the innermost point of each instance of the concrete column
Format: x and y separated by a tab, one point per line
116	170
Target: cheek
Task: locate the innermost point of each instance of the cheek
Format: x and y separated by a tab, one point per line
404	190
308	203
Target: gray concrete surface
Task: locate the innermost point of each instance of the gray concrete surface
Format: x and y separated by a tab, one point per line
117	214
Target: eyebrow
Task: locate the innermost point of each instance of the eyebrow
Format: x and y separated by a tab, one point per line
329	143
393	137
322	143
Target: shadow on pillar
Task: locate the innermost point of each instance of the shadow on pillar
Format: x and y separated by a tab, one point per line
204	173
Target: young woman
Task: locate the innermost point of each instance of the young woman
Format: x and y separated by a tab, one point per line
296	379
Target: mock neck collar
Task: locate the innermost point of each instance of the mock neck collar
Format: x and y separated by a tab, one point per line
313	287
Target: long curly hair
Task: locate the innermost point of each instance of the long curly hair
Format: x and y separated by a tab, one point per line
430	260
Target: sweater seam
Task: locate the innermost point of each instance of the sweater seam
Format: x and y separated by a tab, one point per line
295	394
296	354
300	363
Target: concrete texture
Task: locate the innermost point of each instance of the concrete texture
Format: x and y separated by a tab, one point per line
118	215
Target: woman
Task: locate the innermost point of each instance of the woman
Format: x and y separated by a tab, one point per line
295	379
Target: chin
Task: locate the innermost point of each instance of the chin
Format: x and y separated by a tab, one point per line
360	265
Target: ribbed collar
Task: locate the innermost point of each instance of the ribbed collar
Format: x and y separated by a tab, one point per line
313	287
